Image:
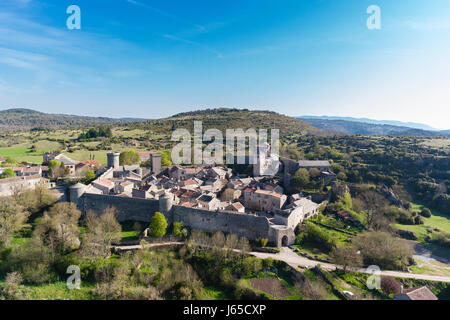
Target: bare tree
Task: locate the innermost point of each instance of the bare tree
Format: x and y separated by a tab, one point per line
346	257
103	231
12	217
58	229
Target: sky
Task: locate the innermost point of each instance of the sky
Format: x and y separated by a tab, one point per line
152	58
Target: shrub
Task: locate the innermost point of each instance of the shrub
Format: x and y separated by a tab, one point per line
158	225
177	229
263	242
390	286
425	213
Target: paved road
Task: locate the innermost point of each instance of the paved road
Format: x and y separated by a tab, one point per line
294	260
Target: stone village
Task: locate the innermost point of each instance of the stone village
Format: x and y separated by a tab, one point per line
204	197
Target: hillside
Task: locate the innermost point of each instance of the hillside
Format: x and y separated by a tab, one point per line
25	119
355	127
413	125
224	118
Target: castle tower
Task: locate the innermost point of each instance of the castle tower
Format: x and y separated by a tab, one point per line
76	192
113	160
165	203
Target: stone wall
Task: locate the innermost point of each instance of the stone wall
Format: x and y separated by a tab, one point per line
243	225
133	209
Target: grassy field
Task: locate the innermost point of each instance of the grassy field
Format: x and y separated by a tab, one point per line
22	152
437	220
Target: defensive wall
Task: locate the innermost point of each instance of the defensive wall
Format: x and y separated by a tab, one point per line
134	209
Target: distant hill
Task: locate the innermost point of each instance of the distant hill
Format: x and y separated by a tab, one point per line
357	127
372	121
225	118
26	119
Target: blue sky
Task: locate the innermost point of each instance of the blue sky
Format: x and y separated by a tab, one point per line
151	59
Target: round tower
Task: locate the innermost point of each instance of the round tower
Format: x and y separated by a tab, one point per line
113	160
165	203
76	192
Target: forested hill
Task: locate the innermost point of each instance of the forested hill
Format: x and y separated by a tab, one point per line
369	129
225	118
26	119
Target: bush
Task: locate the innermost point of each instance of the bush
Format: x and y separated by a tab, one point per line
390	286
37	273
263	242
177	229
158	225
268	263
418	220
380	248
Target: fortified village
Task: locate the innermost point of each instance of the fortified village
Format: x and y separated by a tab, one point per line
205	198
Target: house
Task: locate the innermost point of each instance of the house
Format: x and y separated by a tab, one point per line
295	197
263	200
310	208
290	217
105	185
68	163
322	165
296	212
273	187
125	187
236	207
182	173
9	185
421	293
208	202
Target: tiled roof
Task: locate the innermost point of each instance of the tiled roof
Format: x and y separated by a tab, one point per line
314	163
422	293
269	193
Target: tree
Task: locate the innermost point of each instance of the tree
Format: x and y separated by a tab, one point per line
425	213
177	229
166	158
8	173
13	289
380	248
129	157
56	169
89	175
10	161
300	179
263	242
346	257
390	286
58	228
158	225
314	173
103	231
12	217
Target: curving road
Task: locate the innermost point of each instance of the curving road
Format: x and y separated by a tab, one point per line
294	260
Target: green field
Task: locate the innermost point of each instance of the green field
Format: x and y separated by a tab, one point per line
437	220
22	152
